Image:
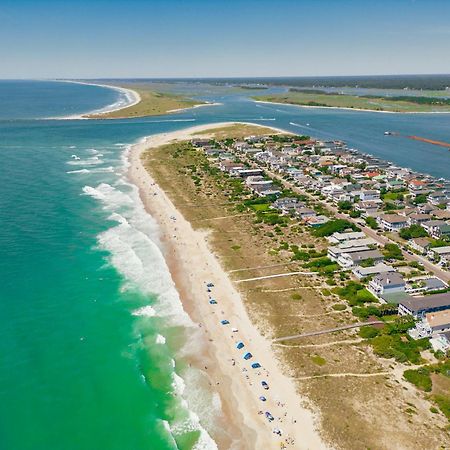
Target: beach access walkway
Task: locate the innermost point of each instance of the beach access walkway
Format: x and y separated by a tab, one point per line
329	330
265	277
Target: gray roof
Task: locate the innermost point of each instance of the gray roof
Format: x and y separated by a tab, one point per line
389	278
427	302
365	254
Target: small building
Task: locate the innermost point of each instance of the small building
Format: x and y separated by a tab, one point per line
351	259
421	244
440	254
362	272
369	195
387	283
337	238
436	228
392	222
432	324
437	198
441	342
419	306
418	218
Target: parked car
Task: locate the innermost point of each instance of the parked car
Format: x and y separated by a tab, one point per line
247	356
264	385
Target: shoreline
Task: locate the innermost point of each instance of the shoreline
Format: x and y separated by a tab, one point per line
133	97
351	109
188	249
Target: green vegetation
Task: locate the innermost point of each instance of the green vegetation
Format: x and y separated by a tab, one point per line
392	251
401	348
355	293
316	359
322	265
151	104
414	231
371	222
334	226
444	404
368	332
420	378
419	199
374	103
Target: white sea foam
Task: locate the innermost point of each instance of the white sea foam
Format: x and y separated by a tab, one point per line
135	248
79	171
135	251
108	169
160	339
146	311
94	160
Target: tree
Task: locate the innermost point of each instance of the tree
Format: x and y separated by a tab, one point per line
392	251
371	222
414	231
345	205
422	198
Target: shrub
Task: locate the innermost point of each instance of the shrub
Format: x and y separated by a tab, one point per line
339	307
334	226
392	346
368	332
316	359
371	222
420	378
444	404
296	296
392	251
414	231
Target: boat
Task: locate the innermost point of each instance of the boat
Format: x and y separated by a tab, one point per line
388	133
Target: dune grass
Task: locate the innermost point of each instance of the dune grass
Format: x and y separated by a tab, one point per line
152	104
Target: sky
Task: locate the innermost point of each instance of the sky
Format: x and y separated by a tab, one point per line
222	38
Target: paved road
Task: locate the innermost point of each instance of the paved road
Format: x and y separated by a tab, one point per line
330	330
435	269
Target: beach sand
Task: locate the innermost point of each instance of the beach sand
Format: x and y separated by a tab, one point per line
192	264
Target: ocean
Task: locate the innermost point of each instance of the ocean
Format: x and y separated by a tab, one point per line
94	343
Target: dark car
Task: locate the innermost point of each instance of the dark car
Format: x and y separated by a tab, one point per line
256	365
264	385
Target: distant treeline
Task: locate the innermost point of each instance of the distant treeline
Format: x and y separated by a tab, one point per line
398	98
424	82
414	99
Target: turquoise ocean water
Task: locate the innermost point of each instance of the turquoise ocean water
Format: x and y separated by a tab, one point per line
93	338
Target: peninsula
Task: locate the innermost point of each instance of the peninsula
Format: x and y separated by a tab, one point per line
252	211
149	103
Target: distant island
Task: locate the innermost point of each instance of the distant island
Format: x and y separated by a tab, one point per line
398	103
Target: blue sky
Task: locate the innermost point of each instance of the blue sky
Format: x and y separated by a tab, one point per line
202	38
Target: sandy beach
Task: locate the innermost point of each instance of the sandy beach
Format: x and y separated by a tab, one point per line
192	264
132	98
